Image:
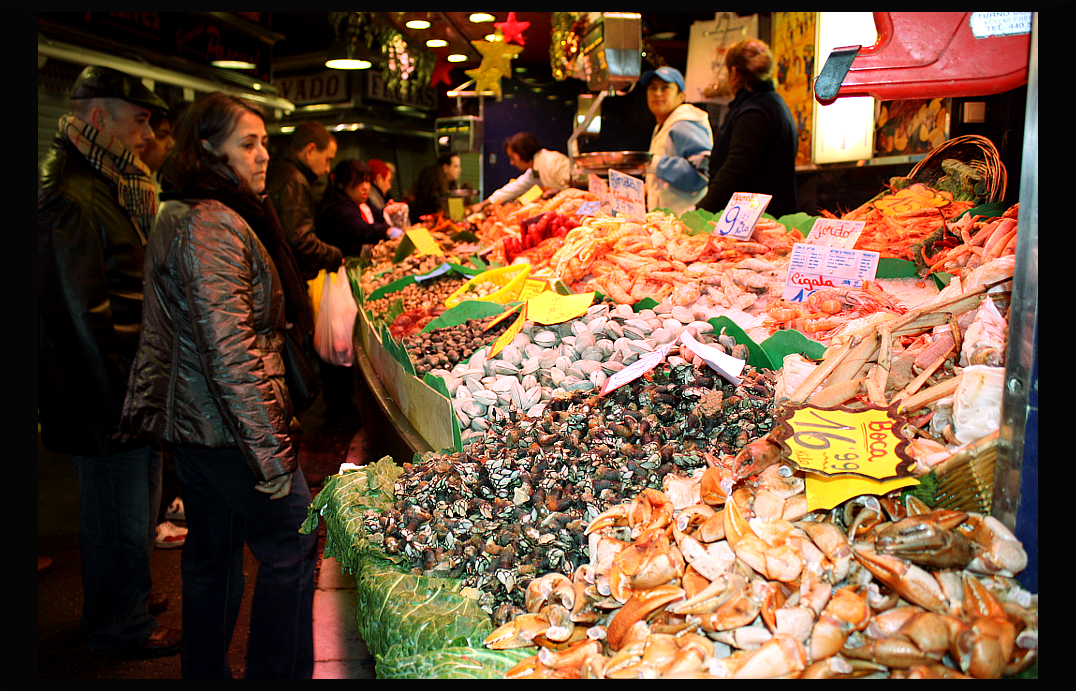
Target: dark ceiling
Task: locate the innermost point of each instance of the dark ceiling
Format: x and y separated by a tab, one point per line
306	35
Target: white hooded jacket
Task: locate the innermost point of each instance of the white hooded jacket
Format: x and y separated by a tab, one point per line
678	173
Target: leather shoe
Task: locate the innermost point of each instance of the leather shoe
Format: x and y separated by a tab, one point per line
162	642
158	603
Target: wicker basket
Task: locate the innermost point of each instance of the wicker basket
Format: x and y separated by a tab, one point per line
969	167
966	479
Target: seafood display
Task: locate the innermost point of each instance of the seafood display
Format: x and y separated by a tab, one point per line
745	584
656	529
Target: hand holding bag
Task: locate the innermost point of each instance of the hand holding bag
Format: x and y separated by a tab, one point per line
334	330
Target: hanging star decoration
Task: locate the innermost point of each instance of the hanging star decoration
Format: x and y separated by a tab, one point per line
496	63
513	30
441	71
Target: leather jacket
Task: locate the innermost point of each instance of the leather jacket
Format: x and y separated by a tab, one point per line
209	371
288	183
89	296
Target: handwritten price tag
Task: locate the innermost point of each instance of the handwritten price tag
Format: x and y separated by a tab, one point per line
550	307
741	215
530	195
626	193
644	364
835	442
423	241
813	267
509	333
834	232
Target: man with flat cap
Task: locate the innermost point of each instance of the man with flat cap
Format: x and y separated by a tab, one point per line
96	203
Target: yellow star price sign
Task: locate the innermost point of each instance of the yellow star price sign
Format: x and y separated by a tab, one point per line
845	453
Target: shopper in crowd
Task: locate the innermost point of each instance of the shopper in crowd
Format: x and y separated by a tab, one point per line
680	145
289	183
346	220
381	176
550	170
168	534
222	285
755	150
96	203
431	187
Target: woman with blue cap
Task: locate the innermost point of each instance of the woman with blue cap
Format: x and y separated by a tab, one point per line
677	175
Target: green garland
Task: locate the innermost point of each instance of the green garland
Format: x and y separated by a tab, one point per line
405	65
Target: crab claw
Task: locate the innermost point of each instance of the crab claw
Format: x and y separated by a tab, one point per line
639	605
914	584
518	633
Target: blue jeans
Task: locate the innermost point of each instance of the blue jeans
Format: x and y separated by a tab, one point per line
223	511
118	498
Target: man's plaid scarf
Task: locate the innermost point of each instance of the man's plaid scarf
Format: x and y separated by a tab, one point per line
111	158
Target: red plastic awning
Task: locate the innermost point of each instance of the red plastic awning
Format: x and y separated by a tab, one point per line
930	55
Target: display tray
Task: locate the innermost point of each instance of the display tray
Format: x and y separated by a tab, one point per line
622	161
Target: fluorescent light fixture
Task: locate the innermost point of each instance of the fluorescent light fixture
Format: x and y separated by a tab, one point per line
481	17
346	64
843	130
436	43
417	24
457	57
234	64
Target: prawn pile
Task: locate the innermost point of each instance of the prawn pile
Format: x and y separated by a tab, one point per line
983	239
898	223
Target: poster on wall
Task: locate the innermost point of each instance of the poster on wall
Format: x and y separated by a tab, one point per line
794	54
706	53
911	126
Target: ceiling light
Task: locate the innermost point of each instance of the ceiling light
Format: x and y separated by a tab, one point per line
348	55
436	43
234	64
456	57
480	17
417	24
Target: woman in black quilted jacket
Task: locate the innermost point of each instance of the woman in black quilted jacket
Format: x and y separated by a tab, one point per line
221	287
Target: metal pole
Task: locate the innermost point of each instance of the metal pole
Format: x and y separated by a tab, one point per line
1015	501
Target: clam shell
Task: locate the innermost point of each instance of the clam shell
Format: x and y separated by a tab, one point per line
528	366
682	314
545	338
594	353
502	368
485	397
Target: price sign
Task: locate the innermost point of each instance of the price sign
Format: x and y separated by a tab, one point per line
532	287
550	307
838	441
834	232
530	195
741	215
814	267
423	241
726	365
644	364
439	271
509	333
626	193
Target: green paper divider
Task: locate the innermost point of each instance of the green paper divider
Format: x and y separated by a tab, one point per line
468	309
758	358
790	341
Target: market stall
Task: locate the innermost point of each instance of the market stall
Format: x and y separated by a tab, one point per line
626	444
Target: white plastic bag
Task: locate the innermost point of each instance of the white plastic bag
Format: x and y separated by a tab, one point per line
334	329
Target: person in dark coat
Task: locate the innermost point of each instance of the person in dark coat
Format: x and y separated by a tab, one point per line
755	148
430	189
95	207
222	288
289	182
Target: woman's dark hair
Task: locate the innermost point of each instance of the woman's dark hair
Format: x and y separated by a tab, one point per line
349	172
446	159
211	118
524	144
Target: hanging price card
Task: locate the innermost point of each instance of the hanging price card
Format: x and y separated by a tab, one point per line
741	214
644	364
550	307
726	365
423	241
626	193
814	267
834	232
530	195
839	441
509	333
